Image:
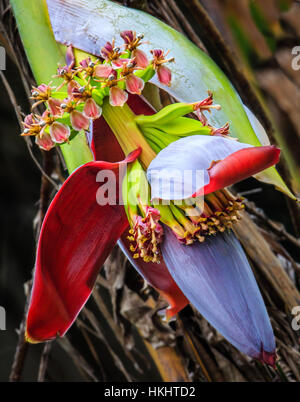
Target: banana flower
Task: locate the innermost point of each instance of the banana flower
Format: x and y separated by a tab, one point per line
179	238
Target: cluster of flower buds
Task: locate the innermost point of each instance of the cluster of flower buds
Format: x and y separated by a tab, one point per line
36	125
216	213
119	70
146	235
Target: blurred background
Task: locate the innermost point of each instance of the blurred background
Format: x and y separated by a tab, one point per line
255	43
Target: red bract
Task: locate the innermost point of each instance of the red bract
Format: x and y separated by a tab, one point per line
240	165
76	237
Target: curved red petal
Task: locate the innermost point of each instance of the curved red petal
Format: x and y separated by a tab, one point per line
139	105
104	144
159	277
76	237
238	166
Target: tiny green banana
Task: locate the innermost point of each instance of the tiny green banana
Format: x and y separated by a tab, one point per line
166	115
159	137
184	126
135	189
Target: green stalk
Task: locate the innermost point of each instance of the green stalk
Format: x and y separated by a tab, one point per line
122	122
44	55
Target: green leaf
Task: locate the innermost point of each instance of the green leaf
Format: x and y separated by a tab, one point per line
194	72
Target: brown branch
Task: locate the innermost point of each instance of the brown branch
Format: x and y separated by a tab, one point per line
44	362
78	359
186	25
259	250
22	345
278	228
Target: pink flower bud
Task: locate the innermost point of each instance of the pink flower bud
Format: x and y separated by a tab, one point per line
59	132
164	75
44	142
44	88
117	97
85	63
141	58
79	121
157	53
29	120
54	106
91	109
106	50
127	36
103	70
134	84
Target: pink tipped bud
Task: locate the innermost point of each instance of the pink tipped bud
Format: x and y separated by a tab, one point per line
59	132
141	58
206	105
157	53
117	97
222	131
128	36
106	50
103	70
91	109
85	63
79	121
54	106
164	75
29	120
44	88
44	142
134	84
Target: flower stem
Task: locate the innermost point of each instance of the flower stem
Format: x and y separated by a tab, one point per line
121	121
